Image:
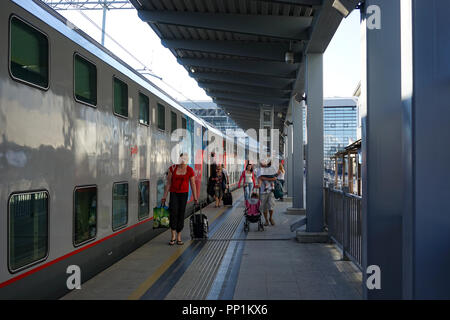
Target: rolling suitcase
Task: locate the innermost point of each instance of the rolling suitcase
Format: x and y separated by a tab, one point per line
227	198
199	225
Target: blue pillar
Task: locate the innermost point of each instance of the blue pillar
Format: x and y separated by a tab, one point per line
297	159
426	135
289	174
382	127
314	153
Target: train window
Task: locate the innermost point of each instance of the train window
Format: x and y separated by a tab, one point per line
120	205
160	184
85	214
173	120
28	228
161	117
144	109
85	81
29	54
183	123
120	98
144	199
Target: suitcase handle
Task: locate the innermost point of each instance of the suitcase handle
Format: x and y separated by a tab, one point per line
199	208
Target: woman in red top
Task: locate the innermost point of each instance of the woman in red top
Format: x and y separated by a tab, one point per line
178	180
249	181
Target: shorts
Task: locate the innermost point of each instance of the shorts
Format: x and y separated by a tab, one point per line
218	192
267	201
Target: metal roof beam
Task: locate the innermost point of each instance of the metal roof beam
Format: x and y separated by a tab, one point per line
304	3
286	27
268	68
251	115
246	79
243	89
240	110
249	98
269	51
241	104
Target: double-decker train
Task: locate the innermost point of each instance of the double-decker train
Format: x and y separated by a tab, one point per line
85	142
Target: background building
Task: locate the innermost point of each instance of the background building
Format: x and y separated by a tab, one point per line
340	126
208	111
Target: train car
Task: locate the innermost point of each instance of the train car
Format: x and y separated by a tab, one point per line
85	143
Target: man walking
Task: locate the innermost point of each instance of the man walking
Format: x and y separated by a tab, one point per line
267	175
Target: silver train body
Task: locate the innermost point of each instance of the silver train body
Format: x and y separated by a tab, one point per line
51	143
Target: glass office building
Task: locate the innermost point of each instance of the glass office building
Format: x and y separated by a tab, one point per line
340	125
340	122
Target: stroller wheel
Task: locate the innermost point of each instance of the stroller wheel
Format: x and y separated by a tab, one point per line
246	226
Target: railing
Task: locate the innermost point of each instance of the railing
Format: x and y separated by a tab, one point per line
344	224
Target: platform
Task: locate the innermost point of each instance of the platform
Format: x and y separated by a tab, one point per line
231	264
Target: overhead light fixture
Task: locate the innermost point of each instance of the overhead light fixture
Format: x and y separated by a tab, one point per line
289	55
342	8
192	70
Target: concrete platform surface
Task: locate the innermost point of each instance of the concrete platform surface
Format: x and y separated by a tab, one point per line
258	265
279	268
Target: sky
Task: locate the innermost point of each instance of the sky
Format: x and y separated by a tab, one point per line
341	59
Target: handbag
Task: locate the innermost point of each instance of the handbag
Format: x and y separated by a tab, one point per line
161	217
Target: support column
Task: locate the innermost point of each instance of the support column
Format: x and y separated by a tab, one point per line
381	111
104	23
289	176
426	114
314	154
297	158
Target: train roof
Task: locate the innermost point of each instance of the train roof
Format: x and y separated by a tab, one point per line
55	20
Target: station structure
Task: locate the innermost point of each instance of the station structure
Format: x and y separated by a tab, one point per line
262	63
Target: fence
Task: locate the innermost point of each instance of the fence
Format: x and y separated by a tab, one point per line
344	224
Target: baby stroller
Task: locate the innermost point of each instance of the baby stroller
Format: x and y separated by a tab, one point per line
252	213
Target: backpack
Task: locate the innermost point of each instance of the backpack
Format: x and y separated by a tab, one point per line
278	191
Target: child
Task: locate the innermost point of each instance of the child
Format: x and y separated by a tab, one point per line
265	184
266	167
252	205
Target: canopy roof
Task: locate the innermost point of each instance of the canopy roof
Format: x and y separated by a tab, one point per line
235	49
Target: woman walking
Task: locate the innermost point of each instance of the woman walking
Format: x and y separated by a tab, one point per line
248	178
178	179
219	186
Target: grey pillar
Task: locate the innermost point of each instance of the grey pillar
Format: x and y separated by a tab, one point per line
382	178
289	176
297	158
104	24
426	132
314	154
